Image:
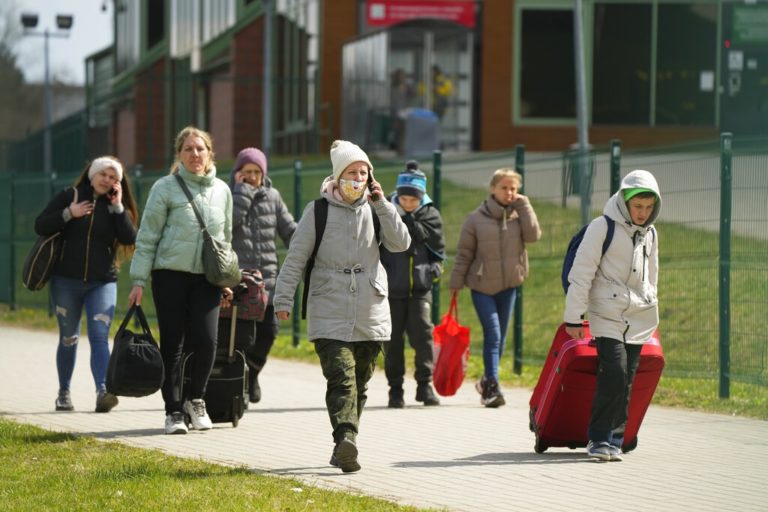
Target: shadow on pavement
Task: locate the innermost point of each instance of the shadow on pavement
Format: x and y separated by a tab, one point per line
500	458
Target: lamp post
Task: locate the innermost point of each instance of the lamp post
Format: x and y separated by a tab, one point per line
64	23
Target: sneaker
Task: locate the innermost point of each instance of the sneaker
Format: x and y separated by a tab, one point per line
425	394
175	423
64	401
396	400
254	390
105	401
490	395
195	410
345	456
615	454
600	451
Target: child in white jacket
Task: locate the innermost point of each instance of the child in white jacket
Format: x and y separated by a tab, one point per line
618	291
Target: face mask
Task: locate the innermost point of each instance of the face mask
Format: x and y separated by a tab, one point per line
352	190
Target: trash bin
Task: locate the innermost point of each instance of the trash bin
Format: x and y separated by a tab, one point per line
422	132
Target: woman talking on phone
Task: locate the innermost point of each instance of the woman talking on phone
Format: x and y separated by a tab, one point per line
97	220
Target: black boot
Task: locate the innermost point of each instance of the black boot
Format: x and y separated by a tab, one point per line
425	393
254	390
396	400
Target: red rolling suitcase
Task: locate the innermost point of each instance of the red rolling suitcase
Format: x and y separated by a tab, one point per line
561	402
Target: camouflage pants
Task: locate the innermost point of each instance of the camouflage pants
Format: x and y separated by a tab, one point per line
347	368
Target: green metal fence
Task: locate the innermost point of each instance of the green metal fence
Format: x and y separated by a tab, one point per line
707	330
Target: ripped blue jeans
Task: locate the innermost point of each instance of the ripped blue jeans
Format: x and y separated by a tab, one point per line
69	296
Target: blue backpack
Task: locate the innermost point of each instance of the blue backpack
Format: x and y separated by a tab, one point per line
573	246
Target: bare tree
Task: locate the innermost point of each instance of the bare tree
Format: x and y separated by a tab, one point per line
20	104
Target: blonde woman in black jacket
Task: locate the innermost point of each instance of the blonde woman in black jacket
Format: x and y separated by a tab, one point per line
97	220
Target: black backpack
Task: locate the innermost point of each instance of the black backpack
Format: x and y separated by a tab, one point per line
321	216
573	246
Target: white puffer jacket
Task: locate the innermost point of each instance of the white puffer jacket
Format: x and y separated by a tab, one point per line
618	289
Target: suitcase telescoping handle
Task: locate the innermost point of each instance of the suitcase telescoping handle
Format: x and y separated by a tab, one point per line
232	329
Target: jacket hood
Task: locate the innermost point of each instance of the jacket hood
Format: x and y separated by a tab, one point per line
616	207
394	199
265	182
493	209
205	179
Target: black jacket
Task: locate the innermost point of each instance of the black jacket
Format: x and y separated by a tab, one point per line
411	273
259	216
87	252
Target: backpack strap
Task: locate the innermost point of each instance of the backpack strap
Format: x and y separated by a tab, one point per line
609	234
321	217
376	224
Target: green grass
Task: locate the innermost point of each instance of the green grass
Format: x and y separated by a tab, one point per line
45	470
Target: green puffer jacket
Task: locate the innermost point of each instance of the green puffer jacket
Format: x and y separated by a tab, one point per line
170	236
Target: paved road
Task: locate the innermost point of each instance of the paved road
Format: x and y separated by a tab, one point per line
689	183
459	456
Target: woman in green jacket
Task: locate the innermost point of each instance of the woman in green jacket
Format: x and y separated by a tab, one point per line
169	247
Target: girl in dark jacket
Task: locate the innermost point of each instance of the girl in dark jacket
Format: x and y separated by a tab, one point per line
97	220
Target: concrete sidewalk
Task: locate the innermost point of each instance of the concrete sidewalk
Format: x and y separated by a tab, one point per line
459	456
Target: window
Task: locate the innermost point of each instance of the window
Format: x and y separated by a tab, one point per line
686	64
621	88
547	85
155	23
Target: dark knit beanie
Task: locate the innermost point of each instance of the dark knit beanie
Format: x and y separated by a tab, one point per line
251	156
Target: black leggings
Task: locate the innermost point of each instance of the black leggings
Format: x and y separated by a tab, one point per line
187	307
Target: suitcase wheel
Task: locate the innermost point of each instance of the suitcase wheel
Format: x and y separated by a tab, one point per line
629	446
532	420
237	405
540	447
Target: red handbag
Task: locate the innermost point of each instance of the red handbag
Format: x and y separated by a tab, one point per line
451	341
250	296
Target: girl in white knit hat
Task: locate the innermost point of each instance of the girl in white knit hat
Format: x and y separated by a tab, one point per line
347	293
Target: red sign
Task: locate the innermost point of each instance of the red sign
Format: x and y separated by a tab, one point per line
390	12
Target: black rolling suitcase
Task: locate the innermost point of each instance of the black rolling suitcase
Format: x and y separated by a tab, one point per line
227	392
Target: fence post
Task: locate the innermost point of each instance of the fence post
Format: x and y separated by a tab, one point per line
297	210
437	191
12	240
51	193
137	185
726	146
615	165
517	364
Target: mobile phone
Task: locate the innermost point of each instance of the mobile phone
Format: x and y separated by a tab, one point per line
112	192
370	188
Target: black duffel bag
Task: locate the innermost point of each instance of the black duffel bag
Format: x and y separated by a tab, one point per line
136	365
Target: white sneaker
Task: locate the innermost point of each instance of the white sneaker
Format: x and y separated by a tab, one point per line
195	409
175	423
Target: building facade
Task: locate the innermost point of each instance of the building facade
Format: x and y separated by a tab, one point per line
292	75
